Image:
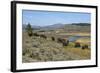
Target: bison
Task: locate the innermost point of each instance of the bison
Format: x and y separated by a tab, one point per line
65	43
35	34
53	39
59	40
30	33
85	47
77	44
43	36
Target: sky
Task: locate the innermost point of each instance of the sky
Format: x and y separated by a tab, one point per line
45	18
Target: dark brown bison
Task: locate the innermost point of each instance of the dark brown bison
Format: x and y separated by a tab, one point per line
65	43
53	39
85	47
35	34
77	44
30	34
43	36
60	40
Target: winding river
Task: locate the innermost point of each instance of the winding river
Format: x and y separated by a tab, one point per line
76	37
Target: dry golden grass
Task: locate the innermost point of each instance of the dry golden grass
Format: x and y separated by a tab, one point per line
72	34
37	49
84	40
84	54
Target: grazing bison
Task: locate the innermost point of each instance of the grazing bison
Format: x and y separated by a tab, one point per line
53	39
65	43
43	36
30	34
35	34
85	47
59	40
77	44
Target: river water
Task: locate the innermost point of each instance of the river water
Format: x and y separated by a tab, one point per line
74	38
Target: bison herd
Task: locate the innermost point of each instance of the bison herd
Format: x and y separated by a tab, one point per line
77	44
63	41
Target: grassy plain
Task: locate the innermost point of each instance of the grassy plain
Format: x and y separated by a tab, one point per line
37	49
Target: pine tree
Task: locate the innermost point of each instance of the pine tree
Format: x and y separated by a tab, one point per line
29	29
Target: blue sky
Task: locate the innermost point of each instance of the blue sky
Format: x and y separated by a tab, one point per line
44	18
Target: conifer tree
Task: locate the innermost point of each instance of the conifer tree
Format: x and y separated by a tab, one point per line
29	29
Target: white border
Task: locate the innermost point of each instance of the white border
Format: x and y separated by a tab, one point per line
21	65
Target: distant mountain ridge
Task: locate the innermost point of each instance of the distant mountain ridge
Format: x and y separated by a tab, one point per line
56	26
81	24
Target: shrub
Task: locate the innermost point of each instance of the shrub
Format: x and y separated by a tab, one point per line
25	51
34	55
